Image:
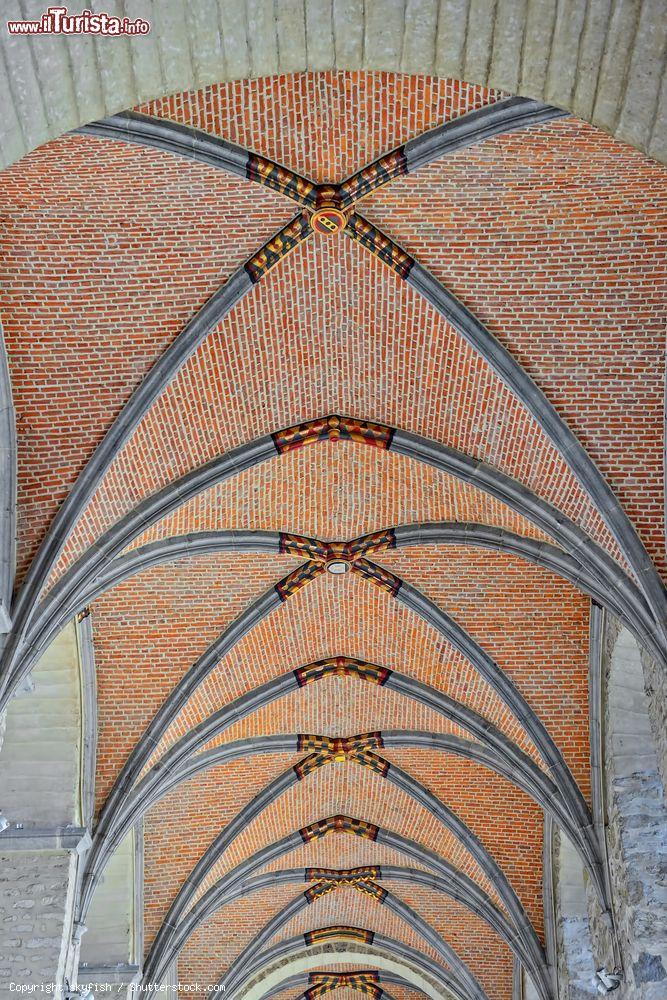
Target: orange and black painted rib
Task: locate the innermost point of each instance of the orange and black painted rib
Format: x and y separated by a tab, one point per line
377	575
338	931
281	179
278	248
333	428
375	175
341	823
342	666
298	579
379	245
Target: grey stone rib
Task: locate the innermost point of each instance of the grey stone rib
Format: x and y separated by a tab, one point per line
171	935
174	929
495	752
178	697
225	892
618	593
164	369
553	425
550	520
623	592
64	599
459	969
146	795
473	127
477	850
431	937
508	115
7	491
166	775
381	943
457	636
510	762
302	979
182	140
500	539
163	954
438	533
175	701
55	611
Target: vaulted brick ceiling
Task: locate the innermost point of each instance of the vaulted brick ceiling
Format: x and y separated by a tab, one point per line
549	236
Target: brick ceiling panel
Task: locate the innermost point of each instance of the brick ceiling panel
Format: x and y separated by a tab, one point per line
219	940
553	237
506	820
351	790
143	238
341	851
533	623
149	630
331	308
325	126
335	491
487	955
357	909
179	828
339	707
349	616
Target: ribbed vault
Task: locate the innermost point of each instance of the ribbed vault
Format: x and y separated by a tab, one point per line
337	522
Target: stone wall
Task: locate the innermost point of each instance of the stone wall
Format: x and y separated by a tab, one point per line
636	825
576	966
36	896
655	678
40	763
40	757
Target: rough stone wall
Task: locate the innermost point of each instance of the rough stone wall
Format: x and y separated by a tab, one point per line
655	679
40	796
576	965
36	897
636	825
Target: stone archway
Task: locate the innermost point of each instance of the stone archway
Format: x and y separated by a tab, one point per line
603	61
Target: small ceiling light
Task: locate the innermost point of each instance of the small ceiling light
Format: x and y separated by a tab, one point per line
338	566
